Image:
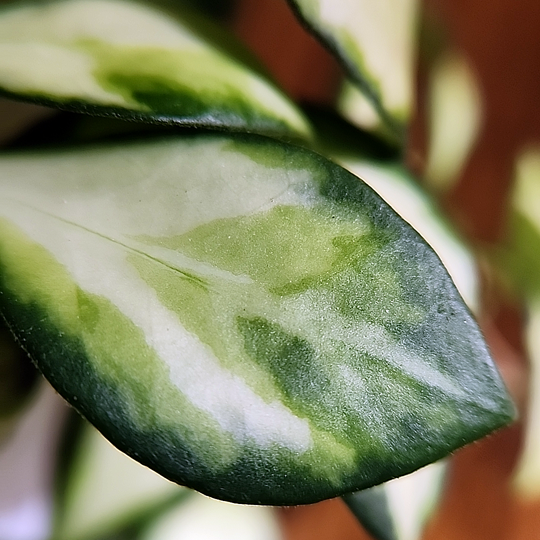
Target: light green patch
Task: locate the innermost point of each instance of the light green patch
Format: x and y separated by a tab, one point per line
195	82
143	380
122	356
285	249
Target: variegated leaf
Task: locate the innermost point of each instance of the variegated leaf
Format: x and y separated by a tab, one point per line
375	40
243	316
128	60
396	186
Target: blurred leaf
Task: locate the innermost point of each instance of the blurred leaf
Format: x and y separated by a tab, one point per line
105	490
375	40
360	111
401	508
521	255
131	61
242	315
521	261
455	116
201	518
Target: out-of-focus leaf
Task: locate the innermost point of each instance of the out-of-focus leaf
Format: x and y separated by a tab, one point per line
521	256
201	518
522	264
360	111
455	116
128	60
105	490
242	315
375	41
527	476
399	509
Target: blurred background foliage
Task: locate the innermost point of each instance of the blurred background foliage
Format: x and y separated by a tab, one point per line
475	139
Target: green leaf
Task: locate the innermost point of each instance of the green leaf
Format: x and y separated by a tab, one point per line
375	41
399	509
128	60
243	316
397	187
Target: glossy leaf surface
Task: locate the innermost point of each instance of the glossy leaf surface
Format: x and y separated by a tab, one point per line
375	40
127	60
243	316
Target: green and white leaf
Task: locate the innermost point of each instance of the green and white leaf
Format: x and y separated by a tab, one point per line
396	186
400	509
128	60
375	40
243	316
106	490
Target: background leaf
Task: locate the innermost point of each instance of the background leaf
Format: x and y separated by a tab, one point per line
375	41
128	60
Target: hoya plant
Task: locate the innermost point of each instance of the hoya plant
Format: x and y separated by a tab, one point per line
213	276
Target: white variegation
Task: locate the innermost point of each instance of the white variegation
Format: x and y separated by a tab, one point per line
88	215
55	51
52	70
376	37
